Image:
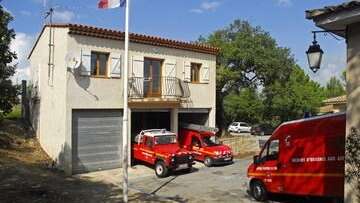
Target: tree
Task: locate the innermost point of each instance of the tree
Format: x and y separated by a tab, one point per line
243	106
292	99
248	57
8	91
334	87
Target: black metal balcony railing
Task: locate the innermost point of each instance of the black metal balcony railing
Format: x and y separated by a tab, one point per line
164	87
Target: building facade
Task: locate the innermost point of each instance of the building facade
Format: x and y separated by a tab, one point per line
77	74
333	105
344	20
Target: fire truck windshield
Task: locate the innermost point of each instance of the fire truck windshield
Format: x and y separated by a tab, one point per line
165	139
211	141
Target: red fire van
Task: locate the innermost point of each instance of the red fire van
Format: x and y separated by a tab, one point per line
203	143
302	157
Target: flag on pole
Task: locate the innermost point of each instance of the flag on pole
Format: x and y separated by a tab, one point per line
106	4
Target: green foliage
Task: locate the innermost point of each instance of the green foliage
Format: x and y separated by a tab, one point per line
293	98
15	113
334	87
249	57
243	106
8	91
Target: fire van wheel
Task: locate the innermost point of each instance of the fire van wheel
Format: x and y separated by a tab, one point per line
258	191
208	162
161	170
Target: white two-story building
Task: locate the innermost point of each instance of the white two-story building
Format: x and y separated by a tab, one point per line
77	104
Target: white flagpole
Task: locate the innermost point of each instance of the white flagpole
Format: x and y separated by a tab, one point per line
125	141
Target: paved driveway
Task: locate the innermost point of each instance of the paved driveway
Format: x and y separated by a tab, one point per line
215	184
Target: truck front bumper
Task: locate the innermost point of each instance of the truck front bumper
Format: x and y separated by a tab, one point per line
223	160
182	166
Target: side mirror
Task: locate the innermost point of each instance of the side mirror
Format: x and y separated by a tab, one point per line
256	159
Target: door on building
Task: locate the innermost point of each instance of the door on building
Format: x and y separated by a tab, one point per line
96	140
194	116
152	77
149	120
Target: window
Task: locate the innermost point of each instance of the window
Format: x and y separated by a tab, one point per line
149	142
195	142
165	139
195	72
271	151
211	141
99	63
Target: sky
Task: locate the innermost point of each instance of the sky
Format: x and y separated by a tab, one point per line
184	20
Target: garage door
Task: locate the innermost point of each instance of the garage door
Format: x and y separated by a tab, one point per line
96	140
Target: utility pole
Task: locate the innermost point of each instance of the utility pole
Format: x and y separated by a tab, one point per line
126	110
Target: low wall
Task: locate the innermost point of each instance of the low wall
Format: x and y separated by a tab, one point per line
244	145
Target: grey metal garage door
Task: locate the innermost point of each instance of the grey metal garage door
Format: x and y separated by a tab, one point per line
96	140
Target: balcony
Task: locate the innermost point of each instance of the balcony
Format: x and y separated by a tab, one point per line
157	91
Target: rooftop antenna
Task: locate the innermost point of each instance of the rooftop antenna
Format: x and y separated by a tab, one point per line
49	14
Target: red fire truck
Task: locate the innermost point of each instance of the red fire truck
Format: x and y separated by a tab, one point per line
201	140
302	157
160	148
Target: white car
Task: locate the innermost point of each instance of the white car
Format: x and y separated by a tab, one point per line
239	127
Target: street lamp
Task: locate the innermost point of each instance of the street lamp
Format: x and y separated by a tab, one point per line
314	55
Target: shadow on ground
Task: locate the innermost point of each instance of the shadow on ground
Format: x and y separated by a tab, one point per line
26	174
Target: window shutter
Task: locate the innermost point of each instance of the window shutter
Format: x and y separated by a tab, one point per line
204	73
170	68
115	66
187	71
85	63
136	83
138	66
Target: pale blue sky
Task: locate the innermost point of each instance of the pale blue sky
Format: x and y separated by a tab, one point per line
186	20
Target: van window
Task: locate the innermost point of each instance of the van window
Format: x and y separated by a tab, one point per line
195	142
149	141
273	150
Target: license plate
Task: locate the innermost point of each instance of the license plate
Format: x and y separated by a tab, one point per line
227	159
182	166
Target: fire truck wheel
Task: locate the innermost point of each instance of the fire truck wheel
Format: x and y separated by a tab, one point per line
208	161
161	170
258	191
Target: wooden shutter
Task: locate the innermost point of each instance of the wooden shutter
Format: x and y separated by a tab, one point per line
138	66
204	73
170	68
115	70
85	68
187	71
137	81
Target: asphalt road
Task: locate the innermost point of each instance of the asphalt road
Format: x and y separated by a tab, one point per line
215	184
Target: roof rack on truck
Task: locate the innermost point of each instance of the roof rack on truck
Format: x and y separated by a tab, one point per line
199	128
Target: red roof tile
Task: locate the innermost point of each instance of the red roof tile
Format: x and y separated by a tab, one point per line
91	31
